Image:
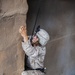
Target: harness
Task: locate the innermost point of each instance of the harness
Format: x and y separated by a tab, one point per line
39	69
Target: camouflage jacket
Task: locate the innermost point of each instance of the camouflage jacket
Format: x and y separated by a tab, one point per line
35	55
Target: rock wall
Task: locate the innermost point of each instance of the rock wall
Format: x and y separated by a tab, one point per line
12	16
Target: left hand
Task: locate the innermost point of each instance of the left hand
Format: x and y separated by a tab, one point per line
23	31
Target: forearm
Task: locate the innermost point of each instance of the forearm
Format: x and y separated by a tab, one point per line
23	32
28	48
25	38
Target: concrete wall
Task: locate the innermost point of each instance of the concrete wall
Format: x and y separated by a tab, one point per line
58	18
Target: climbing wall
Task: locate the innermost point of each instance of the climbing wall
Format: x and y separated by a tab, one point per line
12	16
57	17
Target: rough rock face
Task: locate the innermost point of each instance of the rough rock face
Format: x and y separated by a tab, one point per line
12	16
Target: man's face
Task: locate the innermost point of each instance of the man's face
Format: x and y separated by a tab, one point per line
35	39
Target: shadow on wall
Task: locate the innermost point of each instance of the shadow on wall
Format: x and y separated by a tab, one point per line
0	6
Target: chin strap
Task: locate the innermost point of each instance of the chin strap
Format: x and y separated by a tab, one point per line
37	30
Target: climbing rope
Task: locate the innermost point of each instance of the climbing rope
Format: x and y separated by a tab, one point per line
39	5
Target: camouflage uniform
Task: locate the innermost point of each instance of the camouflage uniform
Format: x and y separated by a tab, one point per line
32	72
35	58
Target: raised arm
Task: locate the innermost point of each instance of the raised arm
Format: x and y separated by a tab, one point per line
26	45
23	32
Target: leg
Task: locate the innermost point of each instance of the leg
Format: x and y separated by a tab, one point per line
32	72
24	73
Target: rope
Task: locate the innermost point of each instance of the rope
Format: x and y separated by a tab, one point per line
39	5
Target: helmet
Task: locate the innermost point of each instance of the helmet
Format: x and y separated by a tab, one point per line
43	37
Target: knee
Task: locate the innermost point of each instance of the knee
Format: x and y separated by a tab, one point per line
24	73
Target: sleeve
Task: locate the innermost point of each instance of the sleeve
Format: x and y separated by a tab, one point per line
42	54
28	48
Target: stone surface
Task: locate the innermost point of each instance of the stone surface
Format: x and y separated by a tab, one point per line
11	7
12	16
58	18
